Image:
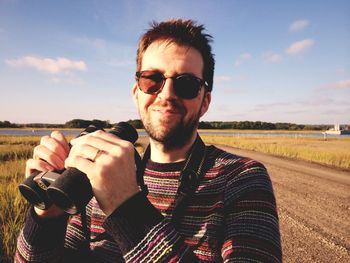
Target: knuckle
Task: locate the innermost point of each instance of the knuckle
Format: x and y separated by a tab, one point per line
70	160
73	150
56	134
102	169
37	149
81	148
129	147
44	139
29	163
55	147
98	132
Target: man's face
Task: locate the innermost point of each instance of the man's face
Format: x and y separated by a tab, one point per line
167	118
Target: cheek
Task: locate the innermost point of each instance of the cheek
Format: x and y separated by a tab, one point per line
145	100
192	108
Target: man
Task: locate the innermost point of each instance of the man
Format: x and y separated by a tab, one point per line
229	215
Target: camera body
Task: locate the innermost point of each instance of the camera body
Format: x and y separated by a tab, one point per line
69	189
45	179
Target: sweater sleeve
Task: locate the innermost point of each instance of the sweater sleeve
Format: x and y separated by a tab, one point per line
41	240
251	220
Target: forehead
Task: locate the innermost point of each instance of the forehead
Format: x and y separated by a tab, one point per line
171	58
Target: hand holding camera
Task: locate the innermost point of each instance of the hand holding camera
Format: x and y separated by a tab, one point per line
99	163
109	164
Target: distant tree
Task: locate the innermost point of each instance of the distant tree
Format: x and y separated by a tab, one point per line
77	123
205	125
5	124
80	123
101	124
282	126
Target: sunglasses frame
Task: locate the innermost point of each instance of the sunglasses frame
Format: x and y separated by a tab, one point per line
202	83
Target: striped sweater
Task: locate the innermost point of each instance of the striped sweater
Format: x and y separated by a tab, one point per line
231	217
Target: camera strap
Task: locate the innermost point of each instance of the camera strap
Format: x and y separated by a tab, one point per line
190	175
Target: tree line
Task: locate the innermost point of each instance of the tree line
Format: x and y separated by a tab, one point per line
239	125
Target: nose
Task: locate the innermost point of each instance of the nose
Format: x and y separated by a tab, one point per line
167	91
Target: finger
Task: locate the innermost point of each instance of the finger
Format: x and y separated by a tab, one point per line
60	138
106	142
54	146
41	152
37	165
82	164
105	136
84	150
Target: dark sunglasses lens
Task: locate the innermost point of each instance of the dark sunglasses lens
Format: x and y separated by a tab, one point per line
187	87
150	82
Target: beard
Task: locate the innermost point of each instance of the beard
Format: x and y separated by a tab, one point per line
170	133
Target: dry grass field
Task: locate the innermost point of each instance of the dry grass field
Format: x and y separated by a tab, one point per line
333	152
14	150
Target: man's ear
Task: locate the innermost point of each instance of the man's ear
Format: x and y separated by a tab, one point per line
205	103
134	92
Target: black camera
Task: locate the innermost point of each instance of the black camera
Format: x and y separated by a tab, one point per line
69	189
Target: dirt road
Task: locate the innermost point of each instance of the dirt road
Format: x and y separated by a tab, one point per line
314	208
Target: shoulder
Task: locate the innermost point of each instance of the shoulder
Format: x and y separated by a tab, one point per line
230	162
242	176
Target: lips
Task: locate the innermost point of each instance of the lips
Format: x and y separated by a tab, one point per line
168	111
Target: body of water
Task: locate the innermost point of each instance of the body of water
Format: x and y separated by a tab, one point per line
21	132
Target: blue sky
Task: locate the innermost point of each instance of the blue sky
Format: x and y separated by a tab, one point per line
276	61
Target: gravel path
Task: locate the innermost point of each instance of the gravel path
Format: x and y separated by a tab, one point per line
314	208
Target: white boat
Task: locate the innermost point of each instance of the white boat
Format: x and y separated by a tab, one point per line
337	130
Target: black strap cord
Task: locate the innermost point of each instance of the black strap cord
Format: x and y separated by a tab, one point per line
190	177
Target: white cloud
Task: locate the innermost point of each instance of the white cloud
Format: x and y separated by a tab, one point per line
48	65
243	57
300	46
298	25
272	57
341	84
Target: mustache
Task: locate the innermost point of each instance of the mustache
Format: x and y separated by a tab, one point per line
171	105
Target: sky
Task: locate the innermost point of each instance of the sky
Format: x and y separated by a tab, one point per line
276	61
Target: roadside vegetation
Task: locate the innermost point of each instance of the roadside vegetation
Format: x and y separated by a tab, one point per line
217	125
14	151
331	152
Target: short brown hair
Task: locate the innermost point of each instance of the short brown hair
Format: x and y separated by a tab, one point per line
181	32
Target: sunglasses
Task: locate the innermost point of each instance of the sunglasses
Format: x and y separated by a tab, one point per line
186	86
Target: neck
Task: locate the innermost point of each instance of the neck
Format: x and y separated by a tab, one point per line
160	153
